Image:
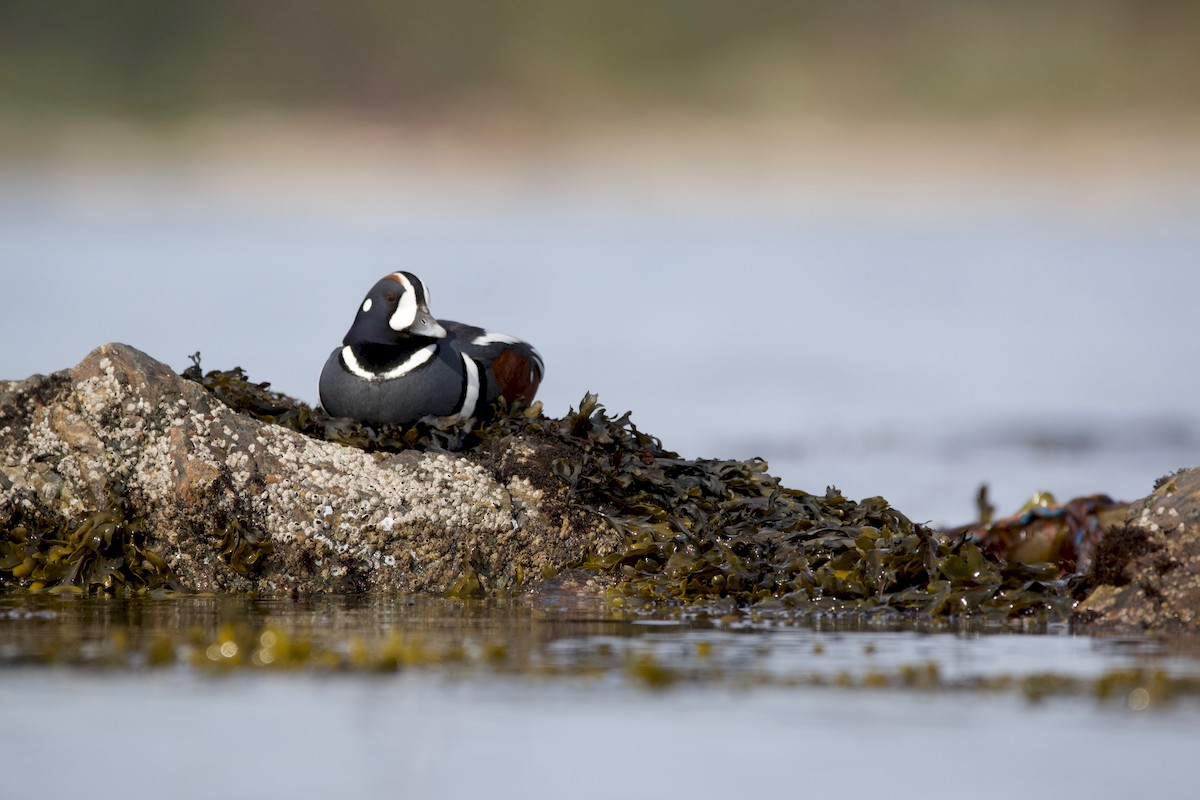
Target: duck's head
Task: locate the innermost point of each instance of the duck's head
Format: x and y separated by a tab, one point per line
395	311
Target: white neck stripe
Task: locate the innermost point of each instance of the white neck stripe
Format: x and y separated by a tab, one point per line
408	365
471	396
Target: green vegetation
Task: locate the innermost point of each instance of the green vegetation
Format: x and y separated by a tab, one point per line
419	60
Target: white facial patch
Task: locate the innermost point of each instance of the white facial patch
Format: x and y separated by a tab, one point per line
408	365
406	310
471	396
494	338
366	305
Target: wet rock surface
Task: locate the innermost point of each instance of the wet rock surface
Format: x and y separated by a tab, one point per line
121	475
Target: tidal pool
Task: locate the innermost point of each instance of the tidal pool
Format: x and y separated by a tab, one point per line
556	696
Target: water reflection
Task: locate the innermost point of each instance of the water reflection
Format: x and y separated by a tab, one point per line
568	637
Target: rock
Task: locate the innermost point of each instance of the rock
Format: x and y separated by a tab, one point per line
120	472
1147	572
208	481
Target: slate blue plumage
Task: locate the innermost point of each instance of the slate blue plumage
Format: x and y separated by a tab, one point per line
397	364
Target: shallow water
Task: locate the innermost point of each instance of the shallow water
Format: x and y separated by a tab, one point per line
552	697
906	339
417	736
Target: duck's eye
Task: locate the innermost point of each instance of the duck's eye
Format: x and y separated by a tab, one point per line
391	297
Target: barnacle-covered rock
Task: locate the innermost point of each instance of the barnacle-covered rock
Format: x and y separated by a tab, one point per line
1147	572
180	489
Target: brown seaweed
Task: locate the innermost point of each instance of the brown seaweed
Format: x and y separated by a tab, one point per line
103	552
698	531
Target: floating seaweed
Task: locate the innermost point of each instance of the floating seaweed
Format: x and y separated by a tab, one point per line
470	639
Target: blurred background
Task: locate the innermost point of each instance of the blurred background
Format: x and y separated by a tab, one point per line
905	249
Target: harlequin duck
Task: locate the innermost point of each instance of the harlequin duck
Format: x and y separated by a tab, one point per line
398	364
